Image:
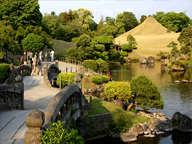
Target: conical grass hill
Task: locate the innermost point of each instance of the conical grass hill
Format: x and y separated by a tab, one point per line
151	38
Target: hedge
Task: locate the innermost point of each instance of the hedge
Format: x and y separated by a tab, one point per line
123	53
4	72
65	78
103	66
105	79
75	39
96	79
118	90
90	64
126	47
100	47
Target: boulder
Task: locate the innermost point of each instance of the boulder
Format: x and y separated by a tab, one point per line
166	126
151	60
126	137
143	60
132	132
139	129
119	103
92	90
145	127
150	135
164	62
185	81
177	68
86	80
100	88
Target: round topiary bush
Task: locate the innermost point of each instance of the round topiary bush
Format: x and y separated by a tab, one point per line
126	47
96	79
103	66
100	47
123	53
105	79
90	64
118	90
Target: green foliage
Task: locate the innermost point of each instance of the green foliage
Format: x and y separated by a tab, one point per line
120	122
75	39
130	21
101	24
85	53
84	41
105	79
65	79
108	30
1	54
118	90
100	47
174	49
104	55
149	96
72	53
180	62
163	55
4	72
126	47
131	40
96	79
169	65
56	134
123	53
32	42
173	21
103	66
92	64
105	40
143	18
114	55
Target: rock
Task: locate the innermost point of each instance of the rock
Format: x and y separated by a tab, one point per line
160	132
143	60
126	137
166	126
86	80
177	68
146	133
153	132
132	132
185	81
151	60
177	81
164	62
145	127
151	65
100	88
80	75
119	103
92	90
86	91
150	135
139	129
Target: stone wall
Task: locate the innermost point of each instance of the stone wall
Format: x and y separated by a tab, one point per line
95	126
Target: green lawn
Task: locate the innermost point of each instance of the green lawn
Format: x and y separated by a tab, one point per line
100	106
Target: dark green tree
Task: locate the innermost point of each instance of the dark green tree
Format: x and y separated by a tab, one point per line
53	13
108	30
101	24
130	21
84	41
131	40
72	53
105	40
174	49
143	18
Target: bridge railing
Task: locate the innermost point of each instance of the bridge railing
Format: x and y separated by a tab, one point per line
71	61
66	105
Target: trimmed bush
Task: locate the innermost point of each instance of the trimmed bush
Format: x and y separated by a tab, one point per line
169	65
118	90
96	79
148	93
90	64
123	53
180	62
134	46
100	47
75	39
104	55
103	66
65	78
126	47
57	134
105	79
4	72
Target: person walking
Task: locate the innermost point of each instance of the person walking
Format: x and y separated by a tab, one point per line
30	57
45	54
52	55
40	58
35	64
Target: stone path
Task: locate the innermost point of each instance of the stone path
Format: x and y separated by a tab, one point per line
36	96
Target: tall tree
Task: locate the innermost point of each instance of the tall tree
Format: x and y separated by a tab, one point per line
101	24
130	21
120	23
53	13
143	18
67	17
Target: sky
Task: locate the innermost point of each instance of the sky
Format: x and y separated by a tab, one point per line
113	7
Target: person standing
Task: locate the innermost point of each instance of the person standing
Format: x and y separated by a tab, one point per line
52	55
35	64
109	75
30	57
40	58
45	54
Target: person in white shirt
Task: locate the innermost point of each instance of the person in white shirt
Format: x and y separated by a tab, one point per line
52	55
40	58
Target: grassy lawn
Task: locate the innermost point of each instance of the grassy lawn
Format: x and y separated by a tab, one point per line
100	106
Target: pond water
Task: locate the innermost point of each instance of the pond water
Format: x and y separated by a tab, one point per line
176	97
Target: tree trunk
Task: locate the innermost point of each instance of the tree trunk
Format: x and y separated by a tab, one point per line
130	106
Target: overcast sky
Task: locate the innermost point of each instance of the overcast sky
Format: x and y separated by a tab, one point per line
113	7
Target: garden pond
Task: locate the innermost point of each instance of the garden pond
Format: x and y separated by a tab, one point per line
176	97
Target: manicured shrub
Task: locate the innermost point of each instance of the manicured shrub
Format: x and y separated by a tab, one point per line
100	47
148	93
104	55
75	39
65	78
4	72
169	65
118	90
96	79
180	62
134	46
126	47
56	134
123	53
105	79
103	66
90	64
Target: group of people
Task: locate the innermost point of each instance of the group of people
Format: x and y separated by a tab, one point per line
36	61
